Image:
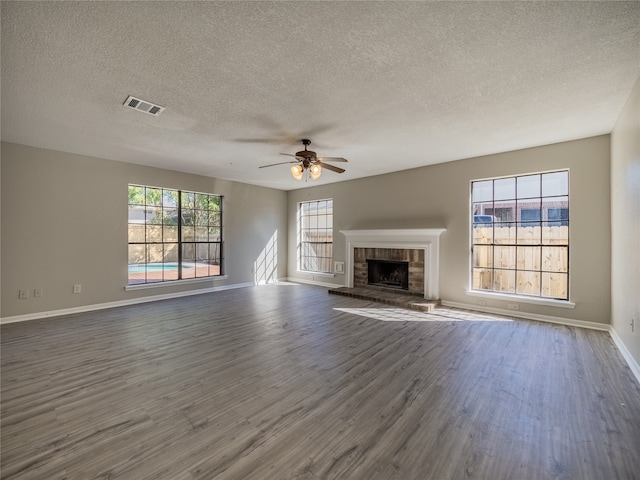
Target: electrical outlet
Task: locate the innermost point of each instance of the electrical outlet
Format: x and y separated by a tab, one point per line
77	288
513	306
23	294
482	303
37	292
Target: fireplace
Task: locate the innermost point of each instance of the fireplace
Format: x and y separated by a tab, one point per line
384	268
418	247
388	274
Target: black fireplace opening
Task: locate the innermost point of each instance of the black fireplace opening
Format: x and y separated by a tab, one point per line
388	274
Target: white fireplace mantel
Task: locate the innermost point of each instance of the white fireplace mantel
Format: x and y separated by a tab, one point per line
427	239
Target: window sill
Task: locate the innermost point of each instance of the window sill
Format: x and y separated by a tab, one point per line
316	274
549	302
145	286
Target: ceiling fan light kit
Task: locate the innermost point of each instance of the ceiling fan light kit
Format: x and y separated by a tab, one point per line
308	164
297	171
315	171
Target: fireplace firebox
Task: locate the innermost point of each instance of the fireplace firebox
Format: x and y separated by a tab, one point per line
388	274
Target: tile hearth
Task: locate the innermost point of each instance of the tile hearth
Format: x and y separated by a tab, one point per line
396	299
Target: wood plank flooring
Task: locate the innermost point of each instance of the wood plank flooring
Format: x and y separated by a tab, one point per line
288	382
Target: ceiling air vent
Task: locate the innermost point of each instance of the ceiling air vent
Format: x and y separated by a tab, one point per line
143	106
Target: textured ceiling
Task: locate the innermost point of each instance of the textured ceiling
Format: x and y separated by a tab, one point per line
387	85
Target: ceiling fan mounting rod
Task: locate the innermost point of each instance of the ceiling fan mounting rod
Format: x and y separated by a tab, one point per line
306	154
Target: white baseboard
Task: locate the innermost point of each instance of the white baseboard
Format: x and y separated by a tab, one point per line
119	303
312	282
530	316
633	365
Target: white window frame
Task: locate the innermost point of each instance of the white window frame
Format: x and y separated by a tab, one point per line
516	221
306	254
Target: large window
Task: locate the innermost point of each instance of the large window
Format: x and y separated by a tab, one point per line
520	239
315	236
173	234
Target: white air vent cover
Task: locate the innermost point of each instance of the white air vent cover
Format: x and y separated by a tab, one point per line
143	106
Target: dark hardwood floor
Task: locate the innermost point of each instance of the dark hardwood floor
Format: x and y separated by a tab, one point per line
288	382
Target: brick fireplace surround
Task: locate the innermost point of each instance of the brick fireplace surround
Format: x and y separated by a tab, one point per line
415	258
420	247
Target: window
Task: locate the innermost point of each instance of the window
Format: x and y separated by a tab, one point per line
173	235
524	248
315	236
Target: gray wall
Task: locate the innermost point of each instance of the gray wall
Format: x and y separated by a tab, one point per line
438	196
64	221
625	224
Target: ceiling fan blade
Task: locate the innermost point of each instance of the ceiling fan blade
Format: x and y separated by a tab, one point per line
274	164
332	159
333	168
